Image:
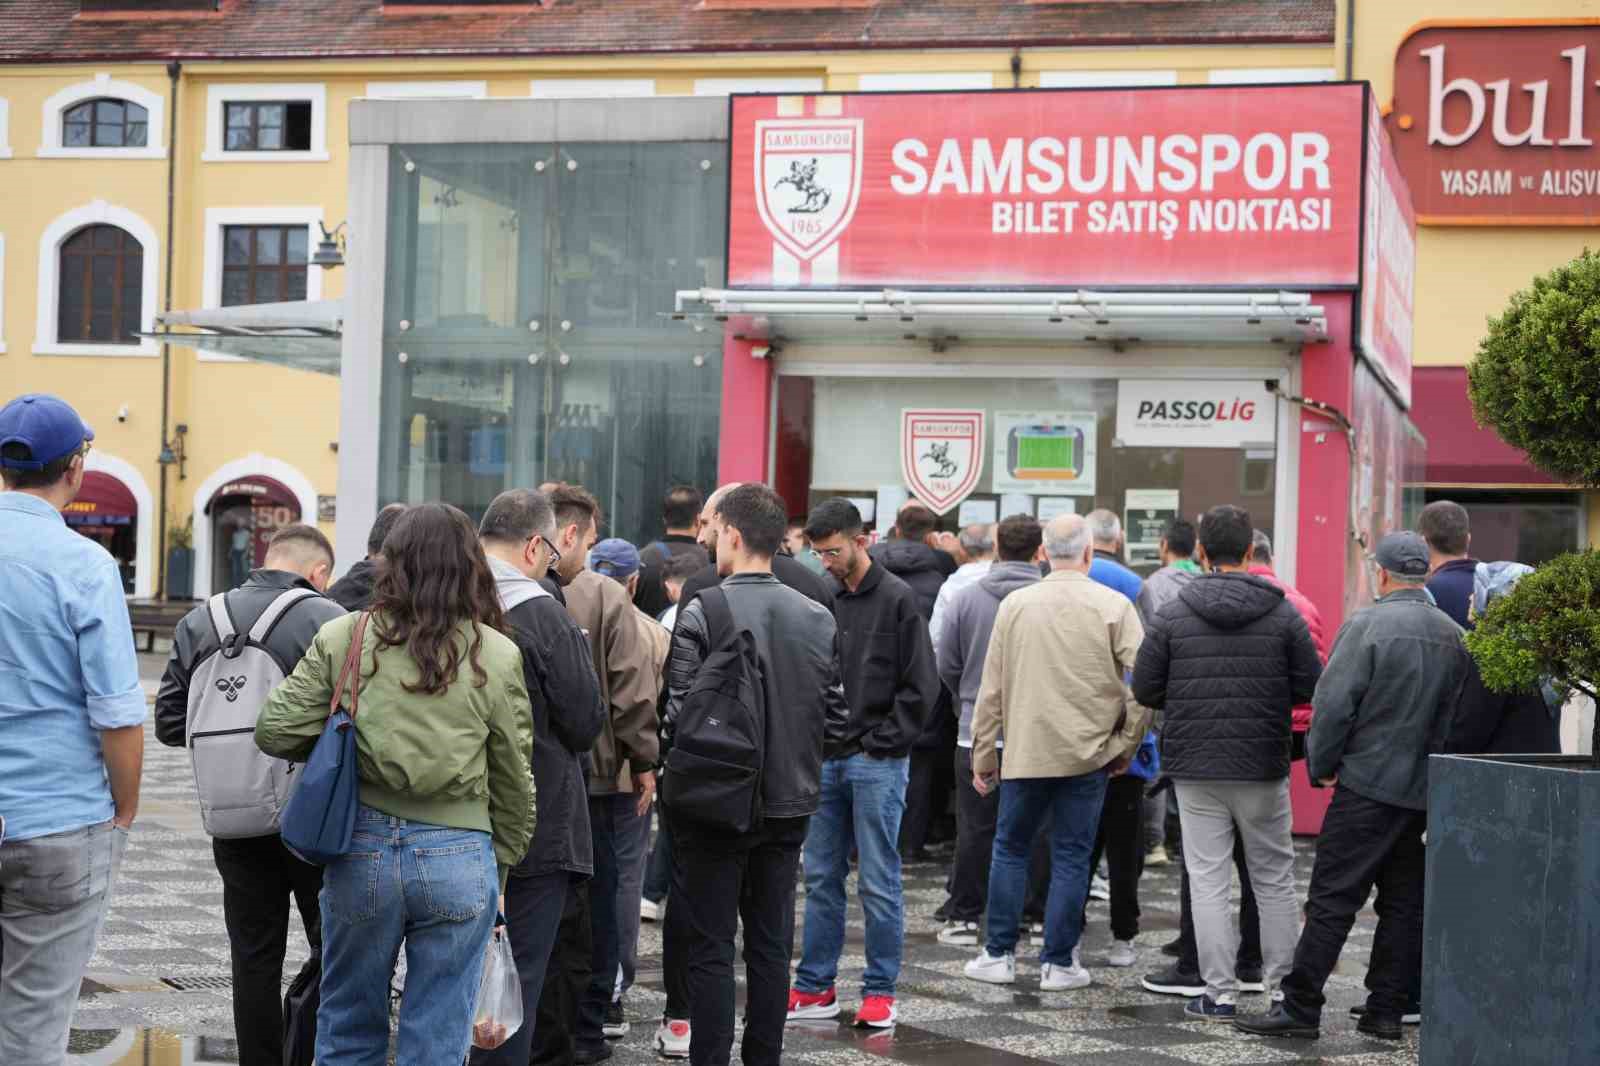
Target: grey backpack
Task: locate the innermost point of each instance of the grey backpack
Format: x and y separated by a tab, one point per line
242	790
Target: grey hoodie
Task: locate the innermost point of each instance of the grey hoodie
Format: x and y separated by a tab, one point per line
964	636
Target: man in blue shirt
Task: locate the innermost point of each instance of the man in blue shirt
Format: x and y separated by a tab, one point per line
1107	567
71	730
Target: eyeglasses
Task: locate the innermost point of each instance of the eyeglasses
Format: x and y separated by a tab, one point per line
555	553
829	553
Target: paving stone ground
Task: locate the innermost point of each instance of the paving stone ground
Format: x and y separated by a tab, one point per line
166	924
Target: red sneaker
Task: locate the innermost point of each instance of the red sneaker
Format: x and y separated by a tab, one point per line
804	1005
877	1012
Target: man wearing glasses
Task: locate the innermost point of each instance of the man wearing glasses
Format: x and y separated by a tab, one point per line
518	533
71	730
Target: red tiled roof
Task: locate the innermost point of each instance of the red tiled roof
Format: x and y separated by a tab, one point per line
54	31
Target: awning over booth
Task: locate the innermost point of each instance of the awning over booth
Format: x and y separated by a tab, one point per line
102	501
1076	317
1460	454
262	491
303	334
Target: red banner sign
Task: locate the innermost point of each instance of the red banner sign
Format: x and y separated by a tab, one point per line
1205	186
1389	254
1492	125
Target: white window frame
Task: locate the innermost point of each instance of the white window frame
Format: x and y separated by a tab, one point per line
57	104
217	96
1269	75
427	90
758	84
5	128
1105	79
217	219
577	88
913	81
97	212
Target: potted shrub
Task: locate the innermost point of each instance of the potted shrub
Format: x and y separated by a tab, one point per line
1511	954
180	560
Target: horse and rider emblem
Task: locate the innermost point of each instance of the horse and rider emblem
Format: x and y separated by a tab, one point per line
807	180
941	454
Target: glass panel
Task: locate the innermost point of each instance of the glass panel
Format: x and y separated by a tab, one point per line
240	139
108	112
269	115
235	288
296	281
269	245
103	281
82	113
236	245
135	134
135	113
75	134
297	127
106	238
238	115
269	138
296	250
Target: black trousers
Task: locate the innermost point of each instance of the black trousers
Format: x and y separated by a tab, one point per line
259	877
1121	840
1364	843
534	907
719	881
566	981
976	817
1249	957
921	802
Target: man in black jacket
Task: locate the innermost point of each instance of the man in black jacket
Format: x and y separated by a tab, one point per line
785	567
1228	660
518	531
680	516
892	683
259	875
717	877
354	591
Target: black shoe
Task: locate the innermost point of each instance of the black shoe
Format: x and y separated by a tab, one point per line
942	915
1174	982
1173	948
585	1056
1382	1026
1412	1016
616	1025
1276	1022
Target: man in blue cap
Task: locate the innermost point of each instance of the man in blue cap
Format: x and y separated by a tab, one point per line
1383	704
71	730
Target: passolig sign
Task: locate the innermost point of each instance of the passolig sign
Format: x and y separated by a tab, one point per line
1496	125
1229	186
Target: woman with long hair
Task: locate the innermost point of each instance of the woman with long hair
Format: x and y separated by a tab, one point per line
444	735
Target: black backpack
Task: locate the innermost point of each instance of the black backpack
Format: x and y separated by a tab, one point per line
713	771
300	1005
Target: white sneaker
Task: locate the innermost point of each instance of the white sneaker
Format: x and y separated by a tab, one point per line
1122	954
1053	978
672	1039
1157	856
961	934
993	970
1099	888
649	910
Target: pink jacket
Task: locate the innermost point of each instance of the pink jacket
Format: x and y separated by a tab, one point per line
1313	619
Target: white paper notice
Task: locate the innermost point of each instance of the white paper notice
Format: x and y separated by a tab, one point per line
1015	503
866	505
976	513
1050	506
891	498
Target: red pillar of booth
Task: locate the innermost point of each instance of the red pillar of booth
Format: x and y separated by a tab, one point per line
1327	374
746	413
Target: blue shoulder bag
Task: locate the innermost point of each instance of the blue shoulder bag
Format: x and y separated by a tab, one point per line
1146	762
320	817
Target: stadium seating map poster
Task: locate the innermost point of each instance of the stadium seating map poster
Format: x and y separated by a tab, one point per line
1046	453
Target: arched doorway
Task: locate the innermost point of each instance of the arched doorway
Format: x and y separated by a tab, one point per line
106	511
243	515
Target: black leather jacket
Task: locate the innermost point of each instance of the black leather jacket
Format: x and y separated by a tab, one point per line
807	716
195	638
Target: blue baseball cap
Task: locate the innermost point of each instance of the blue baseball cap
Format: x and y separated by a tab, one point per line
614	558
46	425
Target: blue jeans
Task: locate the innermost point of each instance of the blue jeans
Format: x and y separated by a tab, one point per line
1074	806
861	804
658	869
431	887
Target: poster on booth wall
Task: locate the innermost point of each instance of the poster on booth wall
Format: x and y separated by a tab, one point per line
1045	452
1175	413
941	454
1146	516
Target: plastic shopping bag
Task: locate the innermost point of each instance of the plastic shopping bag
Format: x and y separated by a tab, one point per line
499	1011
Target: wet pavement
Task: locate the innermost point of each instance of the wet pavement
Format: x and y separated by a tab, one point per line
157	990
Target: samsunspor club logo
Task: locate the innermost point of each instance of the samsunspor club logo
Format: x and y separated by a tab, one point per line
807	184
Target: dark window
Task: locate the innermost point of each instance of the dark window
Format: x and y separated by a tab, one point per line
105	123
102	287
263	264
267	126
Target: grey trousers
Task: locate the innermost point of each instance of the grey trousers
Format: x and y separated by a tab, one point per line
1209	810
54	893
633	853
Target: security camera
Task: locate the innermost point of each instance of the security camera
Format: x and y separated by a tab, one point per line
122	413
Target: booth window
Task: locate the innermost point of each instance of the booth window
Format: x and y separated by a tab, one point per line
268	126
263	264
105	123
101	291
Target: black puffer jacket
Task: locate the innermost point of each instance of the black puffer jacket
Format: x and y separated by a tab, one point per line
1227	660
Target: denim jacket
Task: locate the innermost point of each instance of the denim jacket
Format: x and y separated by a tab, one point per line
1387	698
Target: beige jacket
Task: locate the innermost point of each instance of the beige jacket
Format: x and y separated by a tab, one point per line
630	681
659	639
1053	681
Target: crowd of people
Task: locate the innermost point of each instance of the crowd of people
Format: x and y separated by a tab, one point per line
808	698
